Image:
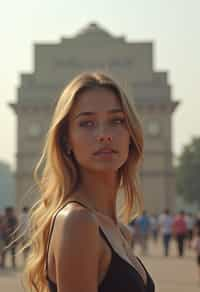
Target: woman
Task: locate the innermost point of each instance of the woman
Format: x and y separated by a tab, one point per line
93	149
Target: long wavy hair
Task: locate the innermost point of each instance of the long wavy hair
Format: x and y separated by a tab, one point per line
57	175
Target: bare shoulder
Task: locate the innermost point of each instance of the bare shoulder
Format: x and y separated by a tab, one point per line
75	218
76	249
75	224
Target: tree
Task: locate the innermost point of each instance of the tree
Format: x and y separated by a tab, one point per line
188	172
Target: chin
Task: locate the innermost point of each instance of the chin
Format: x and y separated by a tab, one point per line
104	167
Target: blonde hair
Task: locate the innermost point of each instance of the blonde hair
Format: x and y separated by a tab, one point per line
59	174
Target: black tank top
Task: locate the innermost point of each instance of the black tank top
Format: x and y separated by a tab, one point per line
121	276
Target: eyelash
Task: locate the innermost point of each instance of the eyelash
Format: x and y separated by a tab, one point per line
85	123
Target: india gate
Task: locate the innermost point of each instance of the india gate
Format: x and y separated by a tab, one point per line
131	64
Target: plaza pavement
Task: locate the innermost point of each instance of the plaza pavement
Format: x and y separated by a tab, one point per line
172	274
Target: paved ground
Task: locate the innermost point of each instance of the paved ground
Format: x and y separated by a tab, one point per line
170	274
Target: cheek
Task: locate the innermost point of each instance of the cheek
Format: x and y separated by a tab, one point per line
81	140
124	145
123	137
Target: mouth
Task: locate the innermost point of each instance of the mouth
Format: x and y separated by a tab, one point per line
105	151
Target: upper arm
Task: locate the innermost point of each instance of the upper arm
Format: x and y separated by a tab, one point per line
76	251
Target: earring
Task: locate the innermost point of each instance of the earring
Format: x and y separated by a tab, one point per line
69	152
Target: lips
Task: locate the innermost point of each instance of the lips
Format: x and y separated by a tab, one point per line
105	150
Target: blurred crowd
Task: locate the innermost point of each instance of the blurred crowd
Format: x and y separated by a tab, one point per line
13	232
182	227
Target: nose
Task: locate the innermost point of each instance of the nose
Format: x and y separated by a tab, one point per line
104	138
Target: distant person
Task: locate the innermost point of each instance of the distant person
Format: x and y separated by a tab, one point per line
165	227
154	226
195	244
11	223
135	233
144	227
180	232
23	229
196	227
190	227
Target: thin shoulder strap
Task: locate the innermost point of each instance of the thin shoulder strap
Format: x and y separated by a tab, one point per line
105	237
100	228
52	225
139	260
102	233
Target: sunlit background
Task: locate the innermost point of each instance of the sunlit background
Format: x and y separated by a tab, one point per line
172	26
174	29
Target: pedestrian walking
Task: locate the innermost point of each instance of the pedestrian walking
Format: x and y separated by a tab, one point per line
165	228
143	223
180	232
24	230
11	223
136	237
154	227
190	227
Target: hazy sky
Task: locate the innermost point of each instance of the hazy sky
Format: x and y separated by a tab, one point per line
173	26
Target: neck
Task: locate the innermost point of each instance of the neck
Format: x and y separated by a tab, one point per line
99	191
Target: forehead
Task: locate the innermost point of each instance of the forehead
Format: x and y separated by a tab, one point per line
96	100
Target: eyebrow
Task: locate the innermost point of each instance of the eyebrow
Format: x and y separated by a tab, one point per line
93	113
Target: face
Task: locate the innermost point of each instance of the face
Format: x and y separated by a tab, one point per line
97	131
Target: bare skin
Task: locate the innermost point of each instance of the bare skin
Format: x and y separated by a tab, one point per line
97	120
